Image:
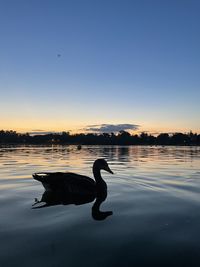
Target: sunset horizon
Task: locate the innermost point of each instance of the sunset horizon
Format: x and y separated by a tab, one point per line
85	129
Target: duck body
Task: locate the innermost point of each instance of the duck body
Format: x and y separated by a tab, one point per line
68	182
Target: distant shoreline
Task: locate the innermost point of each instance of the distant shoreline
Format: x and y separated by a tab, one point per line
10	145
122	138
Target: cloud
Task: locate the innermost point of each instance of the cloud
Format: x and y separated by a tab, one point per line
108	128
40	132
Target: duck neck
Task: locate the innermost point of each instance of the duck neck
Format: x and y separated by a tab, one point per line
97	174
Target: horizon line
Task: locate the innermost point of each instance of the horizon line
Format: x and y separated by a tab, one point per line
132	132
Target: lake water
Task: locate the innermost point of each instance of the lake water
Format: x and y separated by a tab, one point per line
154	195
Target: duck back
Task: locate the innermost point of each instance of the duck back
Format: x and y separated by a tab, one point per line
66	182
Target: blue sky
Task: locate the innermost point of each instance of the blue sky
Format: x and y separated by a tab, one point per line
69	64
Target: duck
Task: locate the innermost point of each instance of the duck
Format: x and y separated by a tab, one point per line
70	185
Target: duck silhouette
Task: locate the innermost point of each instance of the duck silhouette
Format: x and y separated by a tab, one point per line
70	188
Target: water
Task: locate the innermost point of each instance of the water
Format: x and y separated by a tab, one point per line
154	195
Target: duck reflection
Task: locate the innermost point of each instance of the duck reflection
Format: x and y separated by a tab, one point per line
52	198
71	188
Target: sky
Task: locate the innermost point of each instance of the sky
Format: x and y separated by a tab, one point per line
76	65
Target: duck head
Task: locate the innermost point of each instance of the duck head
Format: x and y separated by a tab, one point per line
101	164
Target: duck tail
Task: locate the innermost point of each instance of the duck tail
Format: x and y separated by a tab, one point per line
38	177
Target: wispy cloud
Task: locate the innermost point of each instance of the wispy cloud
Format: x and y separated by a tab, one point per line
108	128
40	132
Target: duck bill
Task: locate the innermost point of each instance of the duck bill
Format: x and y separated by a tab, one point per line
109	170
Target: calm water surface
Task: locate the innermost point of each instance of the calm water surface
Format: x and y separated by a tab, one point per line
154	195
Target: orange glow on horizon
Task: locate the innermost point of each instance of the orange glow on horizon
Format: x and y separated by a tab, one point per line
52	125
78	130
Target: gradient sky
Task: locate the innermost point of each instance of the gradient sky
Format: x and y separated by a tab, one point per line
65	65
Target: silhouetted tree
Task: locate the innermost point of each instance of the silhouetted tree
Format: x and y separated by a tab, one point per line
163	139
122	138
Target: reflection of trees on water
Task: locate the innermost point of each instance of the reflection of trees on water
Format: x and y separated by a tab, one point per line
123	153
119	153
67	154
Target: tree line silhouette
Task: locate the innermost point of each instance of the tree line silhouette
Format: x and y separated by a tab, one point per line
121	138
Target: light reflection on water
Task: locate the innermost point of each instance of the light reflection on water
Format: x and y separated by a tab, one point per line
154	194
